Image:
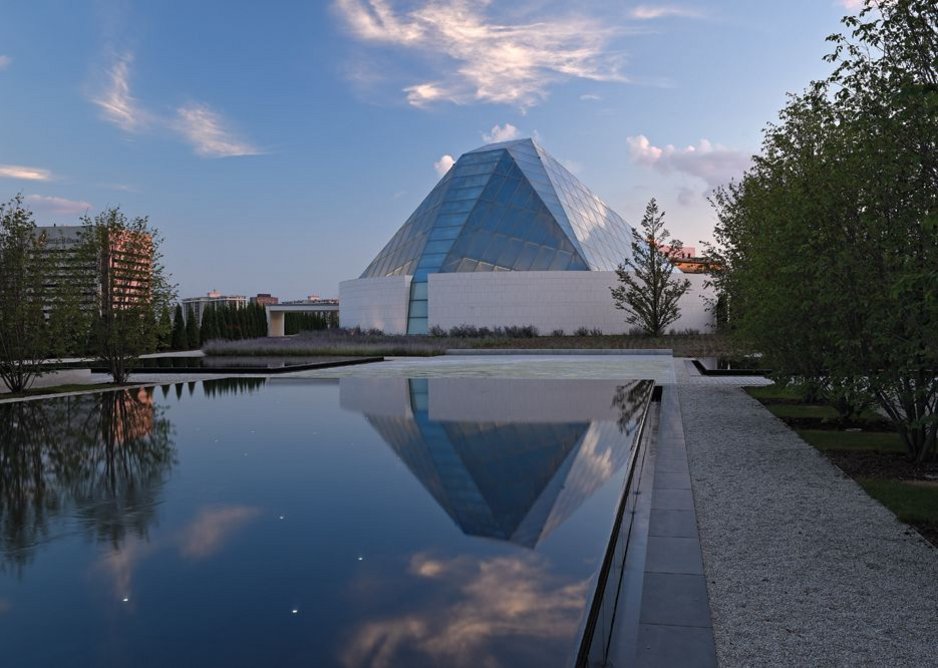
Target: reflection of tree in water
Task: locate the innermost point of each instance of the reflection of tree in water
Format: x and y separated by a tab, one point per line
223	386
630	400
103	457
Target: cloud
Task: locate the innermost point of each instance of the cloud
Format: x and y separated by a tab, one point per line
58	205
651	12
500	133
5	62
206	131
120	186
209	531
443	164
851	4
481	60
590	97
202	127
25	173
712	163
117	105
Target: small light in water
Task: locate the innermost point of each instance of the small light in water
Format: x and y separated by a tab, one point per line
281	517
125	599
294	611
361	558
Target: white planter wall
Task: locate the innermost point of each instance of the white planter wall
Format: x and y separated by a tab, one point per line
379	303
549	300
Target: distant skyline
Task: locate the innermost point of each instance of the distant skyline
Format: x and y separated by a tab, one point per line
277	149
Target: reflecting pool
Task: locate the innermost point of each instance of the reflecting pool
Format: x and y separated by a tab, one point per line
361	522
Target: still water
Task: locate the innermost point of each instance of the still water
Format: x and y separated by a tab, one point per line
281	522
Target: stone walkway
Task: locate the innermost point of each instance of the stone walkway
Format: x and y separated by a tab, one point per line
803	568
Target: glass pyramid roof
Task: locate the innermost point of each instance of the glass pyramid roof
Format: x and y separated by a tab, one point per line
506	207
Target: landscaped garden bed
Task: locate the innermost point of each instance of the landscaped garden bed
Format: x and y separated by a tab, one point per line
869	450
351	342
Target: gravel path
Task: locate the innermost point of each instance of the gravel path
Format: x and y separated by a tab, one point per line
803	568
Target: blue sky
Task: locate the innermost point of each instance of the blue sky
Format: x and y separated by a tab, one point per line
278	146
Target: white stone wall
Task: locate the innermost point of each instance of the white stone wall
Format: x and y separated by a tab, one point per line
548	300
375	303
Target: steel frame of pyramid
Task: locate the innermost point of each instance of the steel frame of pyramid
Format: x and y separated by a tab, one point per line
502	207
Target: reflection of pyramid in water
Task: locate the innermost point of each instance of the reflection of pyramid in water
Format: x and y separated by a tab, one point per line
511	481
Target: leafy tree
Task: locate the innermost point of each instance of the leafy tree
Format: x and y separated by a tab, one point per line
165	330
179	339
133	288
831	239
37	308
208	330
648	291
192	330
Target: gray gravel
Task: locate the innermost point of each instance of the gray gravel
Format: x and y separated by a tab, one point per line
803	568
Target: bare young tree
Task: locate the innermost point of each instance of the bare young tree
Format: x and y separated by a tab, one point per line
648	291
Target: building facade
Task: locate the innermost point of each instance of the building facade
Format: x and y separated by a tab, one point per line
196	306
116	276
507	237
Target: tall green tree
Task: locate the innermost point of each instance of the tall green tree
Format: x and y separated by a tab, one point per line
831	239
133	288
648	291
192	330
179	339
208	331
165	329
37	308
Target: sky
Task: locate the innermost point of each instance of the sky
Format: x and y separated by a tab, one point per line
278	146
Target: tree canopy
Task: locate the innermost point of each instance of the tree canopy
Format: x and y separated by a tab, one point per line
829	244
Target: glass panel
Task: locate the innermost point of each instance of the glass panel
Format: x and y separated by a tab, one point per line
432	260
464	193
448	219
418	309
504	195
437	247
417	326
462	206
418	290
444	233
561	261
526	258
510	252
544	257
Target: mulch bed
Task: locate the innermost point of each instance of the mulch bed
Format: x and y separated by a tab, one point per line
882	465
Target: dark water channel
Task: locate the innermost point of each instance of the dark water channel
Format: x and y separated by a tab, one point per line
252	522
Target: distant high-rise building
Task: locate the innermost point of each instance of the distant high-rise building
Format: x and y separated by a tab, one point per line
265	299
118	275
196	306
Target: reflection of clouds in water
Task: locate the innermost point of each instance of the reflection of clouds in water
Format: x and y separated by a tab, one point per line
203	537
478	604
208	532
120	563
4	606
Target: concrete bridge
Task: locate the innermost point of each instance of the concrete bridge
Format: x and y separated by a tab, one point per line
276	313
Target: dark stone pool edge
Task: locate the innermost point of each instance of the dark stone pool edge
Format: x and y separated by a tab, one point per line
257	371
663	615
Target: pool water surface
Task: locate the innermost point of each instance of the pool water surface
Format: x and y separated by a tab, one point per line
268	522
